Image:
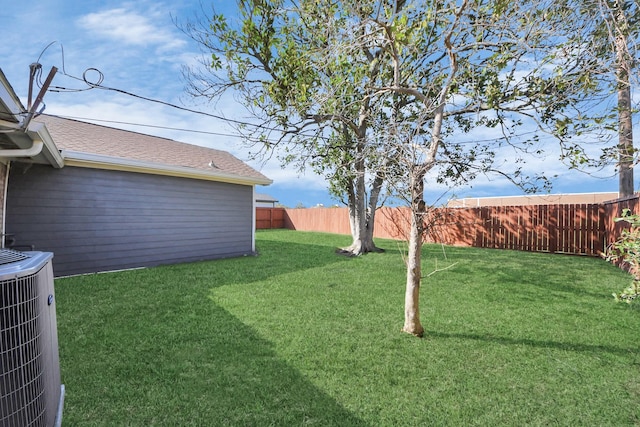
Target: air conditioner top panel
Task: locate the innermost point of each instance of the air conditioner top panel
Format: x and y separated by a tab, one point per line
14	264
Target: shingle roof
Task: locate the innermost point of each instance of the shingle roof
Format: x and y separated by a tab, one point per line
76	136
261	197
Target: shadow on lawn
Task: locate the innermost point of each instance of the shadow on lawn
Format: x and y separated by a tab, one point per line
536	343
273	259
236	378
149	347
562	276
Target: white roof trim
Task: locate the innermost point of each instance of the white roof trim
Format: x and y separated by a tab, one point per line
51	151
95	161
8	97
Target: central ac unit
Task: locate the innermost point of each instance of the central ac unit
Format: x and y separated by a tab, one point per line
30	390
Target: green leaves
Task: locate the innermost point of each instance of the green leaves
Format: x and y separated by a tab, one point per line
325	73
627	250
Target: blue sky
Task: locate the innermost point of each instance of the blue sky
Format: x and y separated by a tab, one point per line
137	48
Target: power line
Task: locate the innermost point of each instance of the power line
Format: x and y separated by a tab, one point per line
97	84
157	101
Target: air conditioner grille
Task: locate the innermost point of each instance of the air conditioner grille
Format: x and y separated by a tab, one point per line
7	256
21	361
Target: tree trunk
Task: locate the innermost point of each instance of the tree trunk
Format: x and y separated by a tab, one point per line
625	124
625	143
412	323
362	217
374	196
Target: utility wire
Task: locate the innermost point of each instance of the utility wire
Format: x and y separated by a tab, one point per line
97	84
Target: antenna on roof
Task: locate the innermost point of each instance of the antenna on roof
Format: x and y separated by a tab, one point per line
33	69
31	109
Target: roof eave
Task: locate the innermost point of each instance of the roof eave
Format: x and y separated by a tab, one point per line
8	98
50	152
23	139
80	159
10	104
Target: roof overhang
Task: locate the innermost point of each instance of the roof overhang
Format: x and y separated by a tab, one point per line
94	161
21	139
35	133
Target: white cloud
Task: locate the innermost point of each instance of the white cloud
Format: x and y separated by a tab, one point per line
130	27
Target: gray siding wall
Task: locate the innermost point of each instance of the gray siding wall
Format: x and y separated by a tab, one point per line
100	220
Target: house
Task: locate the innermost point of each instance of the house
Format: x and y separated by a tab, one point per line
533	199
106	199
265	201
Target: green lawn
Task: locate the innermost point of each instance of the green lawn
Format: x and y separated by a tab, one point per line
301	336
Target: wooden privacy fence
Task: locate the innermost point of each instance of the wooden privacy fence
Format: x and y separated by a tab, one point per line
571	229
267	218
580	229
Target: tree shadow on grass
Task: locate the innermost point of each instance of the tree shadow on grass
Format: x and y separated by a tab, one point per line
149	347
236	378
273	258
536	275
577	347
550	284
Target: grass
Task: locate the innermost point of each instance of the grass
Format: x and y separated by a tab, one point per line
301	336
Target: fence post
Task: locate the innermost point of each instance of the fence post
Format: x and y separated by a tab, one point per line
600	240
552	217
